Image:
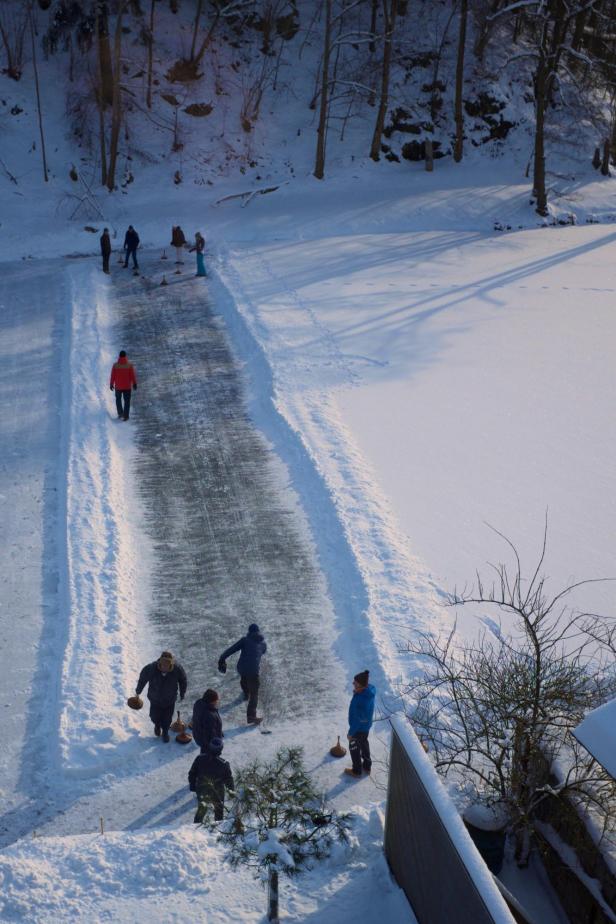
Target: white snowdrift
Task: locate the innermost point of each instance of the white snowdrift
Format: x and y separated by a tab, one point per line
107	558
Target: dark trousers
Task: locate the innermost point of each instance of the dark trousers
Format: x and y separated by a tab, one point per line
106	262
359	749
122	395
209	793
131	252
162	714
250	689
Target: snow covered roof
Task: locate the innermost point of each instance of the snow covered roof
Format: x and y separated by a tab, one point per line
597	732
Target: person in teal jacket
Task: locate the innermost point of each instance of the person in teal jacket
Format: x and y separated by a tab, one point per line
361	711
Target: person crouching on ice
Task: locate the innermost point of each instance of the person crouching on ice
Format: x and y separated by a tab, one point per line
164	678
208	777
361	711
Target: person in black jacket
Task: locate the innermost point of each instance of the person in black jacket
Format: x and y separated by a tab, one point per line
164	678
208	777
252	647
131	242
105	249
206	721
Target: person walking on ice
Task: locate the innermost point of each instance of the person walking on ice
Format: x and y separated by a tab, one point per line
123	378
252	647
178	240
206	721
165	678
105	249
131	242
208	777
361	711
199	246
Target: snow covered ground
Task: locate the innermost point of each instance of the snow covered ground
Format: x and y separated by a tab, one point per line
411	374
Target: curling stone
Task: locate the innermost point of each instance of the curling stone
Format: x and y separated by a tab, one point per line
337	750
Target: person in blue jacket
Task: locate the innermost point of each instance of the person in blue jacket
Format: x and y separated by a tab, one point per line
252	647
361	711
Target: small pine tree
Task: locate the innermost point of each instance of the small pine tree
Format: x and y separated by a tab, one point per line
278	822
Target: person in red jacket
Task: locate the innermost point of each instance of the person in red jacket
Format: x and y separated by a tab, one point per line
123	378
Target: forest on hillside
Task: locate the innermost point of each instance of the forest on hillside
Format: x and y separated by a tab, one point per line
424	79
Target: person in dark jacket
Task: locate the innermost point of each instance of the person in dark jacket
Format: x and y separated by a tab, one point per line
361	711
123	377
178	241
105	249
208	777
252	647
131	242
206	721
165	678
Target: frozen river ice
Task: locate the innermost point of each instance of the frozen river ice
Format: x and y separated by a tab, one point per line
231	542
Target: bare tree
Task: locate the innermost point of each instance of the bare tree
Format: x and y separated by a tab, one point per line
499	711
38	97
13	25
390	9
319	167
150	41
458	150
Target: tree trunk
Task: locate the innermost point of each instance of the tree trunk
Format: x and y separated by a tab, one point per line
539	190
148	99
272	895
459	112
101	108
389	19
116	112
373	14
195	29
485	31
206	41
38	100
319	167
429	155
104	55
605	163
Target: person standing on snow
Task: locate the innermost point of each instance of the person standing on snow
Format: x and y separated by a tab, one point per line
178	240
131	242
123	378
252	647
164	678
361	711
105	249
208	777
199	246
206	721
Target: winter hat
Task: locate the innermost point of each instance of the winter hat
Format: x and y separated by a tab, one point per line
253	627
165	662
215	746
210	696
362	678
122	354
